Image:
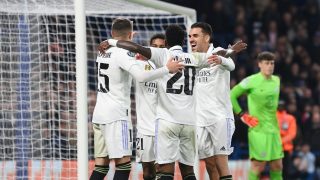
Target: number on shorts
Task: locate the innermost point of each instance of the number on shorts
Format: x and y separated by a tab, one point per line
139	143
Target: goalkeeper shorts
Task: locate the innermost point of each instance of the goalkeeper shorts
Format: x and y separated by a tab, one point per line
265	146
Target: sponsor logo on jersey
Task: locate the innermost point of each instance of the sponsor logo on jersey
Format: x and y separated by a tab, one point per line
223	148
147	67
151	87
203	76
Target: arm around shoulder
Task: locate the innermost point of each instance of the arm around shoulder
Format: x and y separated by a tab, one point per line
131	46
227	63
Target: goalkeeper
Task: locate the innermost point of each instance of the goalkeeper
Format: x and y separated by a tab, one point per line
262	91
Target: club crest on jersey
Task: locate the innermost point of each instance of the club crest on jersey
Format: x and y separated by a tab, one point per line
131	54
147	67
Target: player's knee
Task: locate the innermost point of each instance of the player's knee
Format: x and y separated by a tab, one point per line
166	168
122	160
276	166
102	161
210	163
185	169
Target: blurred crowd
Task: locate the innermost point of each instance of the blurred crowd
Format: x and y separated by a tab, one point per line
290	29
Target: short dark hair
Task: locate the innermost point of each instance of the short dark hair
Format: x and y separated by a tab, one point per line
157	36
121	26
174	35
205	27
267	56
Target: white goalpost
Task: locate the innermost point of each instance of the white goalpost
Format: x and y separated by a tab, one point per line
82	85
48	79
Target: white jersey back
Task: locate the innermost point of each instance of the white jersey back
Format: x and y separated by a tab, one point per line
213	94
146	102
175	91
114	83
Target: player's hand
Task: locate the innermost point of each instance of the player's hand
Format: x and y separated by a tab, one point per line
239	46
175	66
103	46
249	120
214	59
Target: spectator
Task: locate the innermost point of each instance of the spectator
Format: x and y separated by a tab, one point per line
305	163
288	131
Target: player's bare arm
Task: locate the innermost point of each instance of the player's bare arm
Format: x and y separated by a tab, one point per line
103	46
232	49
130	46
239	46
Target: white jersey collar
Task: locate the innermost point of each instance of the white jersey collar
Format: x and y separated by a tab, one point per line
175	48
211	48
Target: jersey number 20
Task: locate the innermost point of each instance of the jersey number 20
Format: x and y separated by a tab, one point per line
188	76
103	87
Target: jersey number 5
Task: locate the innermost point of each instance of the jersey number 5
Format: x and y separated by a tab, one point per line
189	75
103	87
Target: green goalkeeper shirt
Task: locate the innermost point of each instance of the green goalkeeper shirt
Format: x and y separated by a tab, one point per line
263	97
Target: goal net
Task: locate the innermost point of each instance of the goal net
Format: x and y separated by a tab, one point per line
38	84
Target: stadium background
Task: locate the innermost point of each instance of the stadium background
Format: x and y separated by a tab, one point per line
291	29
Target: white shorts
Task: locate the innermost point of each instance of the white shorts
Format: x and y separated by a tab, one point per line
100	147
215	139
175	142
145	148
118	135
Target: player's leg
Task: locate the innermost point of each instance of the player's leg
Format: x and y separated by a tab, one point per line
100	152
187	151
212	168
256	168
149	170
119	141
259	152
276	169
205	145
145	155
222	132
187	172
166	148
276	156
222	167
165	171
123	168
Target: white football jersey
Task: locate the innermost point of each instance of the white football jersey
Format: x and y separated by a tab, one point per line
114	83
146	102
175	91
213	92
